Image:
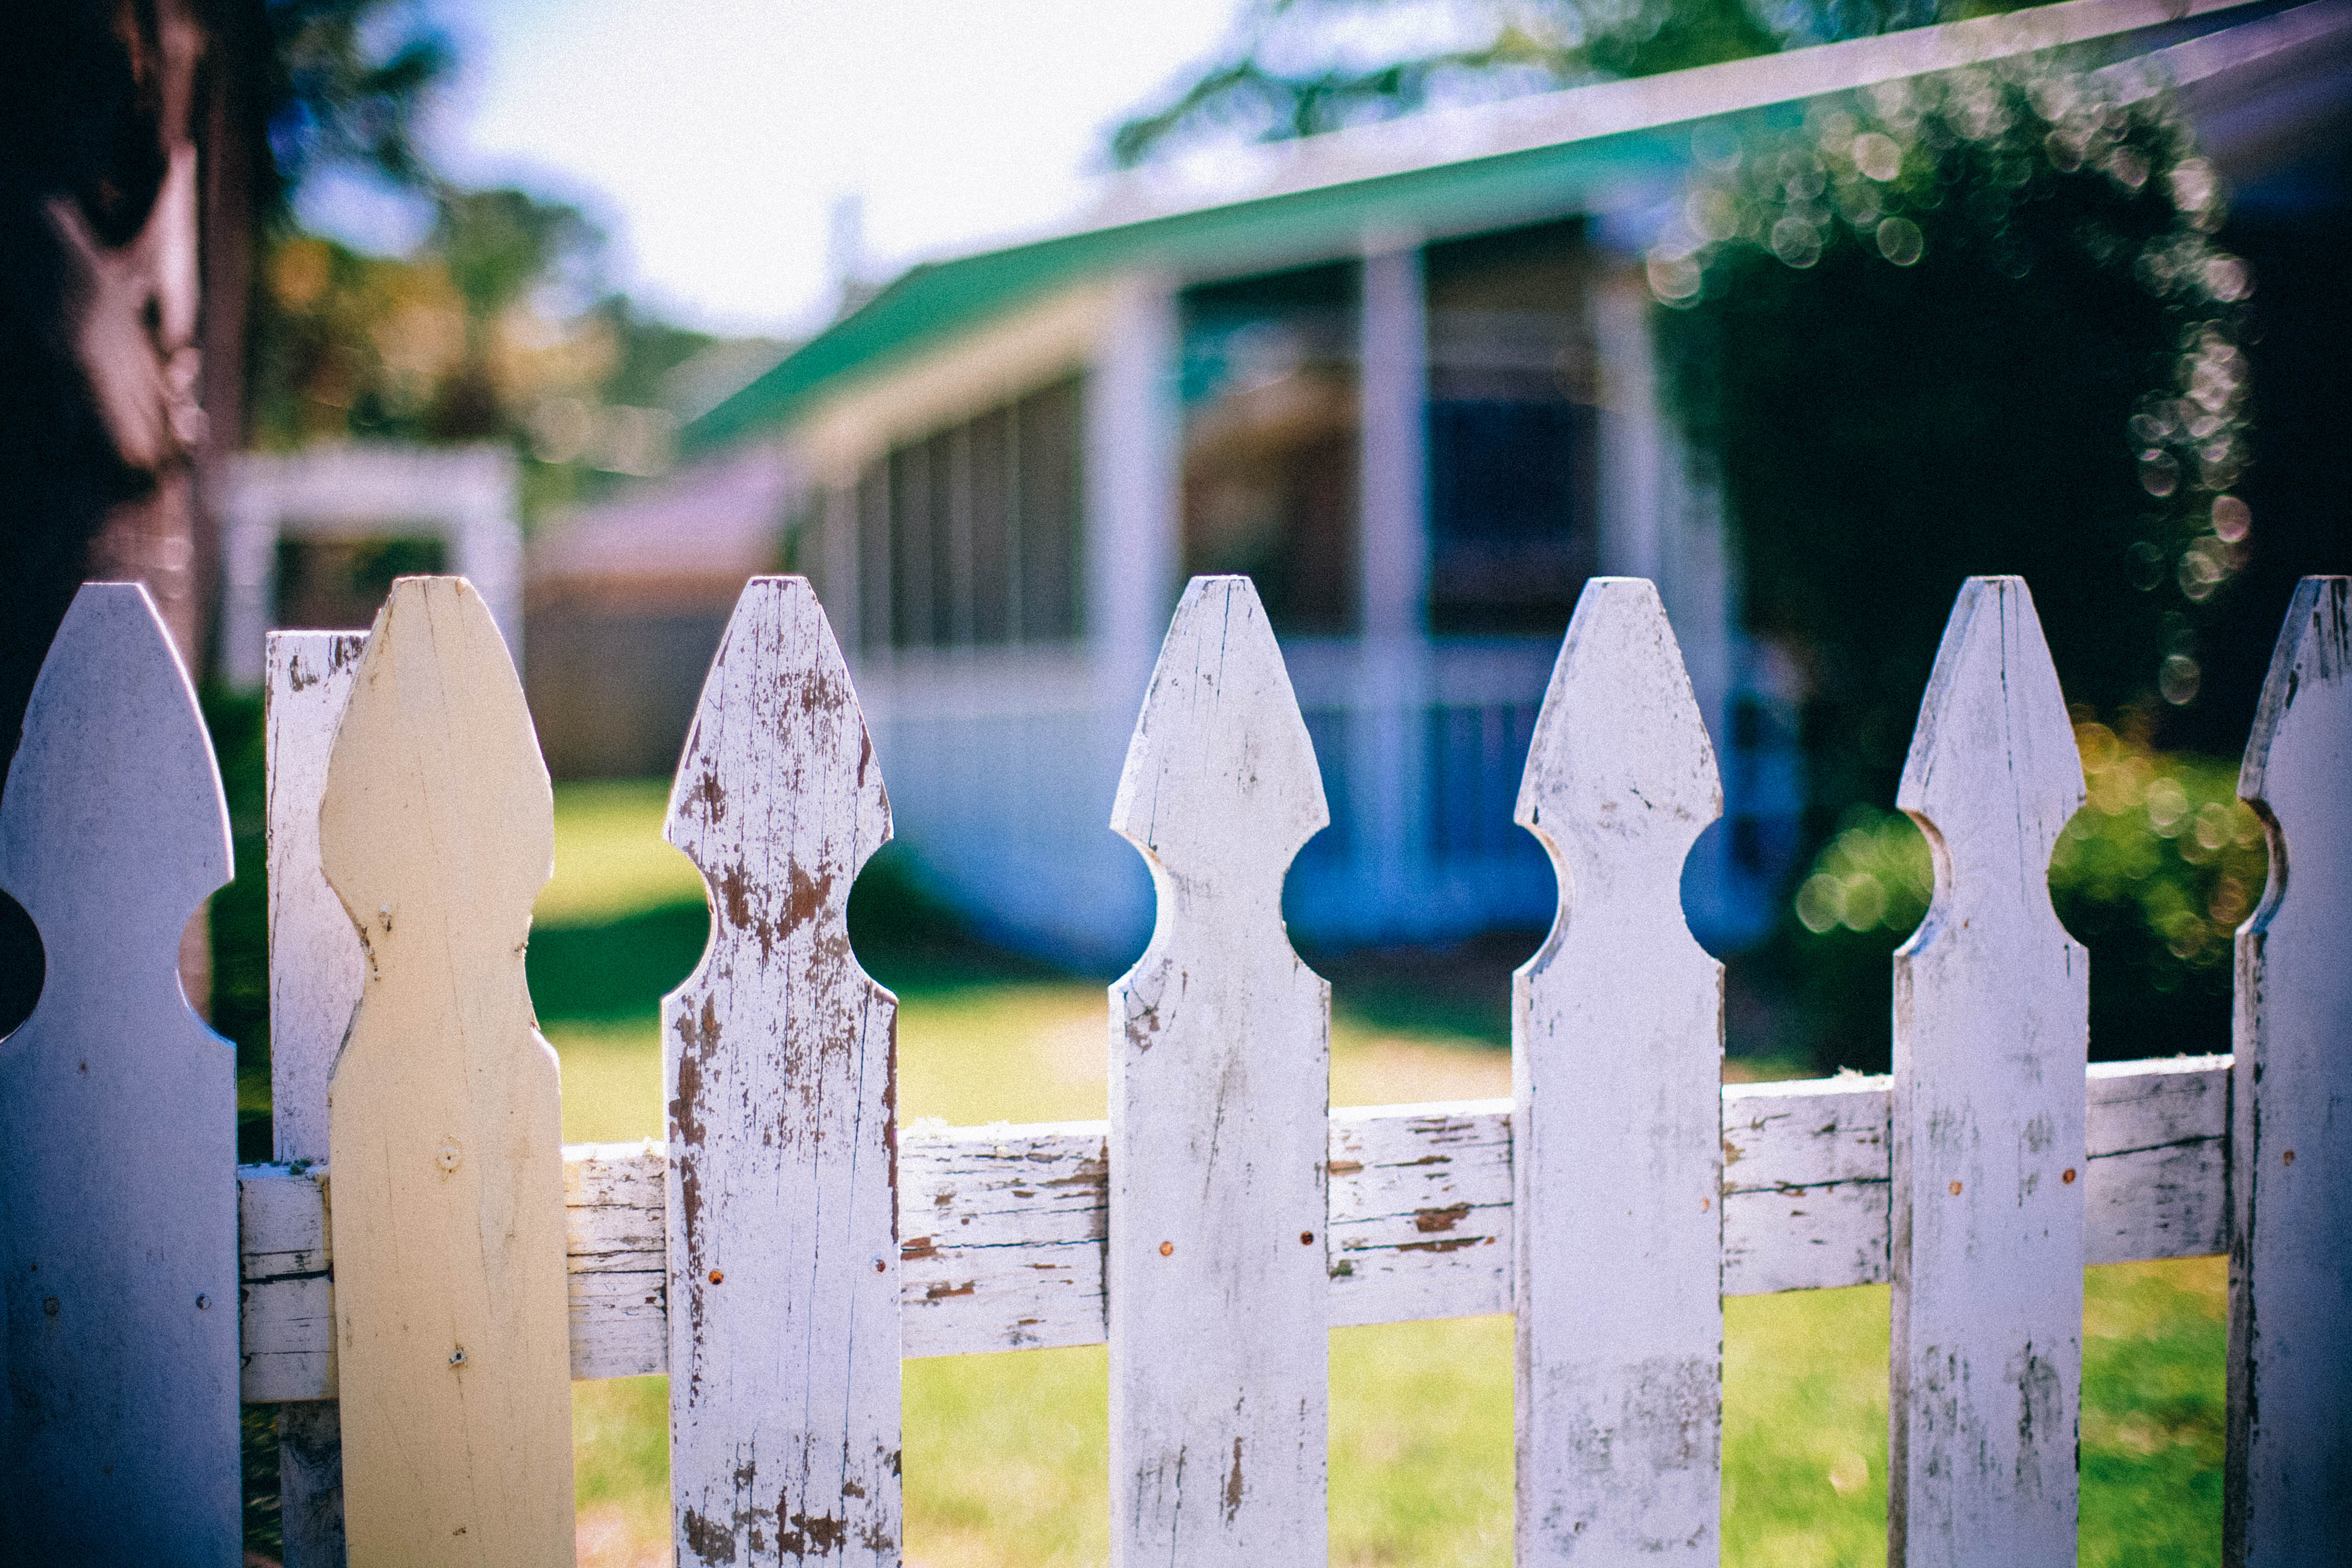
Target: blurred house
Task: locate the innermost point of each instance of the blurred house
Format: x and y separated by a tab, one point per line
1402	377
625	601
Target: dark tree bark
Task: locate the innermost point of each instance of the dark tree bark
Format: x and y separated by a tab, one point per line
128	154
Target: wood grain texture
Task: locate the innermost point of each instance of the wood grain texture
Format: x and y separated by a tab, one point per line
1617	1129
1005	1225
117	1118
1988	1144
316	968
316	964
436	831
1220	1089
2288	1490
782	1187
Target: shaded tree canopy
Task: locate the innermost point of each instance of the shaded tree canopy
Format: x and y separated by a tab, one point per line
1296	68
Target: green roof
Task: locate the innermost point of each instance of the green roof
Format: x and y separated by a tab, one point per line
937	299
1633	137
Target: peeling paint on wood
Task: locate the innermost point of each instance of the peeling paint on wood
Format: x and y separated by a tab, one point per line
1220	1089
999	1271
2288	1490
782	1192
1617	1069
1992	1035
436	830
316	968
117	1118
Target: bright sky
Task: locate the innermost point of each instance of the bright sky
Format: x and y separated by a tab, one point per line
712	138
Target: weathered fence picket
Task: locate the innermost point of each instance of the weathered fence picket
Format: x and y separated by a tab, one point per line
117	1118
316	967
436	830
782	1178
1210	1230
1215	1266
1617	1113
2289	1492
1991	1034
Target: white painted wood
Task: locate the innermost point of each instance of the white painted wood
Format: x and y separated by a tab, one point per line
1004	1226
118	1117
436	831
316	965
2289	1475
781	1194
1617	1126
1991	1032
1220	1089
315	971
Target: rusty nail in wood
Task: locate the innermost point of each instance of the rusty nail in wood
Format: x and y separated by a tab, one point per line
1167	1249
716	1276
2287	1158
1306	1239
2069	1177
1955	1189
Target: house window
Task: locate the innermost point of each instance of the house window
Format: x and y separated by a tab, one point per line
1270	440
1511	501
970	536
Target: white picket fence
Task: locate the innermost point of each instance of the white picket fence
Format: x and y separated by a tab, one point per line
789	1245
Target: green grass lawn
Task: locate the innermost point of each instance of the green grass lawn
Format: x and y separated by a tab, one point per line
1007	1456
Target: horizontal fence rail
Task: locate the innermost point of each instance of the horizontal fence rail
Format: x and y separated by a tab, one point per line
1004	1225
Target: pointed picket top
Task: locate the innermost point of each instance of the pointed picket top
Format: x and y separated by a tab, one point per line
1991	1040
1220	783
1617	1129
444	1123
1993	773
117	1116
1621	777
2288	1474
1216	1271
116	763
783	1254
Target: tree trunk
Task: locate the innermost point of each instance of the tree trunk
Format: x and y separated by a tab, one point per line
125	222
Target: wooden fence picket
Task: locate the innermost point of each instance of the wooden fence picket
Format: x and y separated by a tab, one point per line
316	967
782	1183
1220	1093
1617	1118
2288	1480
117	1118
447	1176
1991	1008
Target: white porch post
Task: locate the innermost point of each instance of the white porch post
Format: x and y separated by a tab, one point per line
836	562
1662	518
1132	482
1389	742
1133	545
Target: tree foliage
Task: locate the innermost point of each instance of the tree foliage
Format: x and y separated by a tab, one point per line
1296	68
1972	323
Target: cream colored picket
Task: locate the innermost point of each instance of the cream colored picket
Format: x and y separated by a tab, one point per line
447	1211
1991	1001
1220	1088
316	967
1617	1132
117	1118
782	1181
2288	1486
